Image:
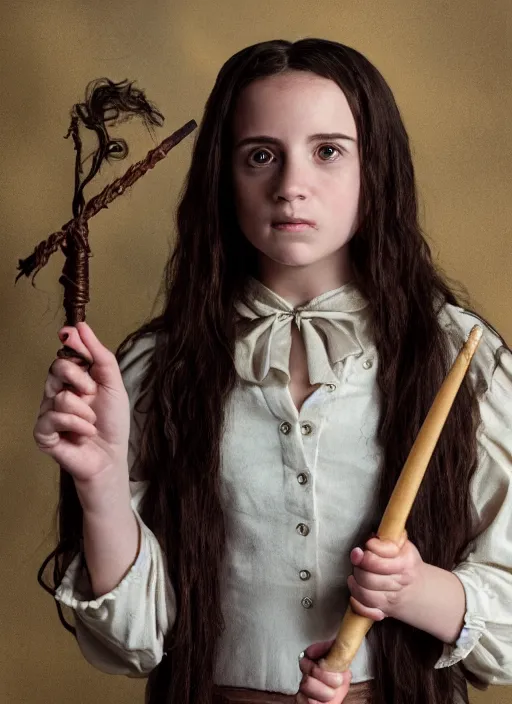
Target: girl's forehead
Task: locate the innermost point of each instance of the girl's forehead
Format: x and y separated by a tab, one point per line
293	101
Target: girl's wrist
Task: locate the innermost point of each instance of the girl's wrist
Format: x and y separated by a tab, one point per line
435	602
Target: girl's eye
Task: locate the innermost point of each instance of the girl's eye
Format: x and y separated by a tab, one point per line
332	148
258	162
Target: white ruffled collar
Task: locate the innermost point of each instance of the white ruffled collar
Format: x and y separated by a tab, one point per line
329	325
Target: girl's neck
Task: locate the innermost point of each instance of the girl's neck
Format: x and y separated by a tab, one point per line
300	284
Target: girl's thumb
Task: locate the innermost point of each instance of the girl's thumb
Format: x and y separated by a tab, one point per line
104	363
317	650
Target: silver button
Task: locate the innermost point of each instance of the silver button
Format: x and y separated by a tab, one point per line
302	478
368	364
307	603
285	427
306	428
331	387
304	575
302	529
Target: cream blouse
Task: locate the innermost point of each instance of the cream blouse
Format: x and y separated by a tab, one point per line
298	493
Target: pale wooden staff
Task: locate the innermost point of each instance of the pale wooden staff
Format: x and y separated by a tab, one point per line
354	627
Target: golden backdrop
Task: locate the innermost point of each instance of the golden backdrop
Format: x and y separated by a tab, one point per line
449	65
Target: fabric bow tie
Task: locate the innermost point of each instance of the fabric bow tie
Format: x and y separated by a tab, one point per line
328	326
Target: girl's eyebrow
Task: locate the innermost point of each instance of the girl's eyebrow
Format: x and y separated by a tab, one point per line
272	140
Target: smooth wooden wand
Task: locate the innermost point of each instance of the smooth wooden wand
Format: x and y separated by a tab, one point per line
354	627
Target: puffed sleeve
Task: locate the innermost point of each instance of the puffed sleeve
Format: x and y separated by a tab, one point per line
122	632
485	642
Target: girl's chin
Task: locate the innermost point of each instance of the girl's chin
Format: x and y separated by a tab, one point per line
295	256
298	262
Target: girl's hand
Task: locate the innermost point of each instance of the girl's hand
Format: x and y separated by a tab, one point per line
384	574
318	685
84	417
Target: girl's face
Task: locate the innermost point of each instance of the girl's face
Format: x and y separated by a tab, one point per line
295	155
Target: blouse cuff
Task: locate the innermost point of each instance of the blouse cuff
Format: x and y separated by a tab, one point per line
471	632
469	636
75	589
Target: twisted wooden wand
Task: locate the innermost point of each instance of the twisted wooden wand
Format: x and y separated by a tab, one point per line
105	102
122	101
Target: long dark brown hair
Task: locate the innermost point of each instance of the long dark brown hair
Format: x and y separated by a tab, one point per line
191	374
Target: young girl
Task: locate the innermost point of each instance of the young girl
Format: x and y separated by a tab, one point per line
234	456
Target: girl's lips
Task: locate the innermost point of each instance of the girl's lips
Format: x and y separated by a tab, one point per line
292	226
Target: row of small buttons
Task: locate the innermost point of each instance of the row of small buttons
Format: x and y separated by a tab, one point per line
303	529
307	602
302	478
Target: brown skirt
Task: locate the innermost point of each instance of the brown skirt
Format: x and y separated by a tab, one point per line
359	693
